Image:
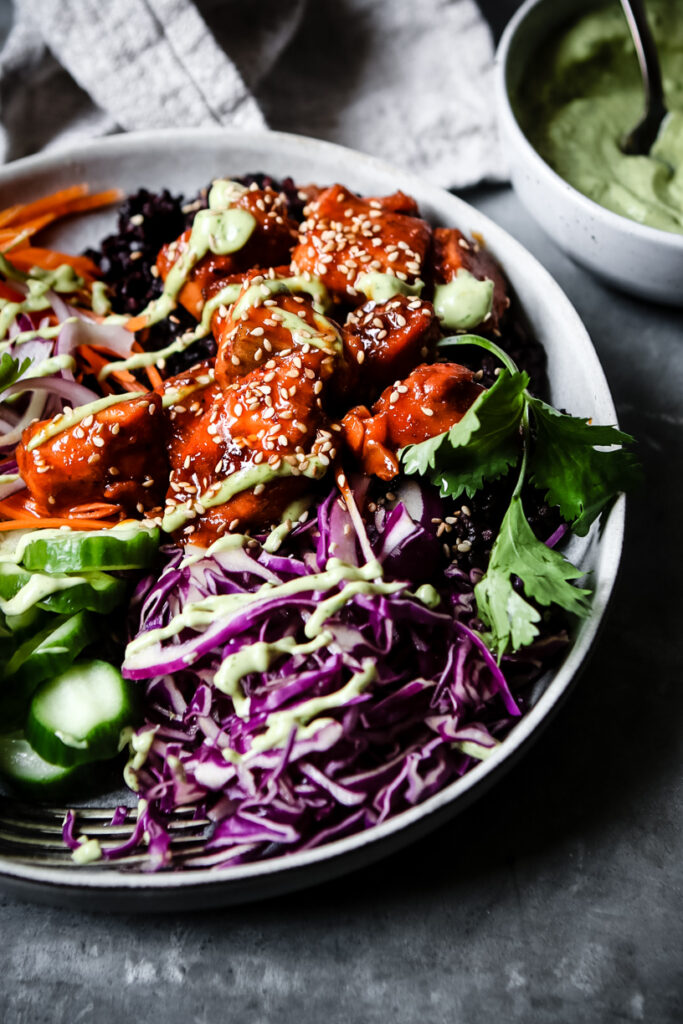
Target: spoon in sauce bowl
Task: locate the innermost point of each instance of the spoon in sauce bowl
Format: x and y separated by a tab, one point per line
639	141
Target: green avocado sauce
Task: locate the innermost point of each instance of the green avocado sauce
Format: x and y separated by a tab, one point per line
382	287
72	417
464	302
583	92
37	284
240	480
222	229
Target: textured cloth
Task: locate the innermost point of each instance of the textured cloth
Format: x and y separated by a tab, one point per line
404	80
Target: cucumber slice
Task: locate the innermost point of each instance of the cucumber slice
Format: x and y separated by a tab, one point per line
42	655
26	622
25	771
46	654
123	547
99	593
12	579
20	590
10	544
78	717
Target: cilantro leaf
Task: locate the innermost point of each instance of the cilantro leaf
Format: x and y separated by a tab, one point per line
576	476
11	370
544	572
482	446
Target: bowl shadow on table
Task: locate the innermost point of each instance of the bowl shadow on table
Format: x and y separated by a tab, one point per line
596	766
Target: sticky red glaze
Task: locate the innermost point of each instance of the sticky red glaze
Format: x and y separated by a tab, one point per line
267	397
270	244
232	428
345	236
429	401
116	455
453	251
385	339
258	335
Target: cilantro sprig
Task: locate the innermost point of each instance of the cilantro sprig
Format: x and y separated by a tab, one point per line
11	370
563	456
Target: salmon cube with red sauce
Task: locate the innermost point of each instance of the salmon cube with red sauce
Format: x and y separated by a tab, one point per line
269	245
276	323
186	397
428	402
386	339
345	236
270	416
452	252
115	455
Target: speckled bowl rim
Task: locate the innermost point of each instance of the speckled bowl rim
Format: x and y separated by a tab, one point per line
506	113
113	889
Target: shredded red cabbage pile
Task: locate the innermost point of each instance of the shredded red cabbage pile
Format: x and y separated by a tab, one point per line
436	701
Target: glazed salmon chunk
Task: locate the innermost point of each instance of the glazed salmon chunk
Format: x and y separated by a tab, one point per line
386	339
345	238
269	320
270	245
428	402
239	442
114	455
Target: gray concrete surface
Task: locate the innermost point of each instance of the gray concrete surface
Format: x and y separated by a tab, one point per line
556	899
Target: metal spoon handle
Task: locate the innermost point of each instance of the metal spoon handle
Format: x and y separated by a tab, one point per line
641	139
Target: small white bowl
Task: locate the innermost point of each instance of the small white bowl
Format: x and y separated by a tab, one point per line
644	261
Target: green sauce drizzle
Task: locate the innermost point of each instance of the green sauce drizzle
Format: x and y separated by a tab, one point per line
71	417
382	287
38	282
222	229
464	302
240	480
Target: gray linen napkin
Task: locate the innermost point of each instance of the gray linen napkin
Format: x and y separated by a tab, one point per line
407	80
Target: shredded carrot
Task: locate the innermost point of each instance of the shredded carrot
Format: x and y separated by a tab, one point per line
153	375
24	508
30	256
136	323
59	204
93	202
9	236
42	524
24	211
8	213
94	361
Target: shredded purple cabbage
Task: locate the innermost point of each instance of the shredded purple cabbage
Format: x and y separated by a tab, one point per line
436	703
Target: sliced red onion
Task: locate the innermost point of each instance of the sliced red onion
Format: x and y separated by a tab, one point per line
75	394
8	420
84	331
37	351
11	488
557	535
113	337
21	323
34	410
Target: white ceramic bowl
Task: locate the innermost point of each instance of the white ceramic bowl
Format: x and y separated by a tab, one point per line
184	160
641	260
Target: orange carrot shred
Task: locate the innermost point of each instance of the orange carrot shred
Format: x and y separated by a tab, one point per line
42	524
30	256
59	204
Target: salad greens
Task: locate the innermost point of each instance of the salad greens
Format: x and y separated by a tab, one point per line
562	455
11	370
